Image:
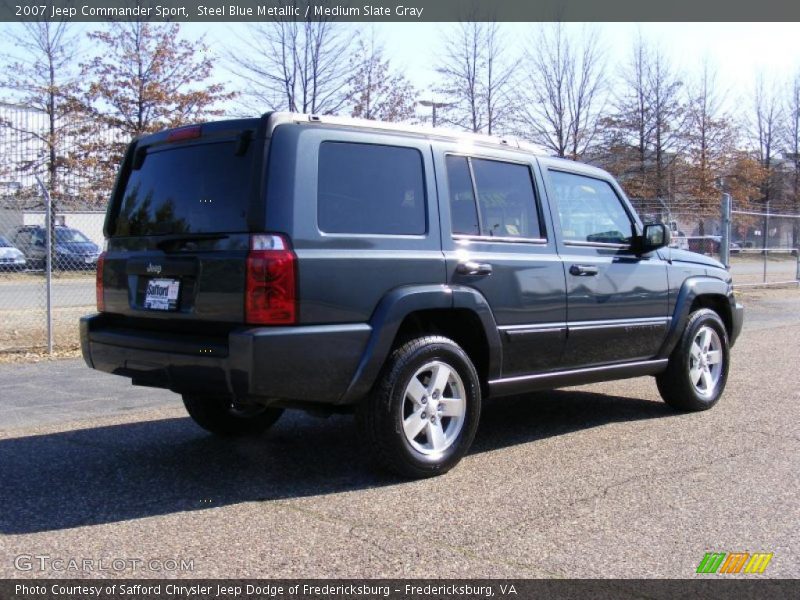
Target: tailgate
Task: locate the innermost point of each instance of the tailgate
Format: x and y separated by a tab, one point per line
206	285
179	222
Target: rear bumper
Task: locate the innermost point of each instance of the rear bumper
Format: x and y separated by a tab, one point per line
303	363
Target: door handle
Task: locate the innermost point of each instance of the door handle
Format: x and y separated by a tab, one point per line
470	267
583	270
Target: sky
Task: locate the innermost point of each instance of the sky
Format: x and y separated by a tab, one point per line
738	51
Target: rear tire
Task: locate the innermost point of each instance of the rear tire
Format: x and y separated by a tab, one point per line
221	417
698	366
422	415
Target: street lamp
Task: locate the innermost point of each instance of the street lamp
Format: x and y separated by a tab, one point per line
434	105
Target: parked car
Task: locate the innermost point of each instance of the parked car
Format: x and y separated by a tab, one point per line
408	274
711	244
678	240
73	250
11	259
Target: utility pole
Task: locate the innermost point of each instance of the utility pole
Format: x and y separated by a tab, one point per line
725	244
765	238
433	106
49	245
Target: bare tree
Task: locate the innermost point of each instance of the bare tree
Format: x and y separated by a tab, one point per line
476	77
668	114
376	90
765	131
563	89
709	137
39	76
633	122
296	66
651	115
144	78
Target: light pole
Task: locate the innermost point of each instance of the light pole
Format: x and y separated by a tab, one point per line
434	105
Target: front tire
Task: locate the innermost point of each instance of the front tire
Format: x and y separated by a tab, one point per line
698	366
421	417
222	417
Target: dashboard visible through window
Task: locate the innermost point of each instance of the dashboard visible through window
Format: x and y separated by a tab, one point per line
590	210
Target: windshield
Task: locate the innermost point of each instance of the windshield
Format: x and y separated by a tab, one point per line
67	236
4	243
191	189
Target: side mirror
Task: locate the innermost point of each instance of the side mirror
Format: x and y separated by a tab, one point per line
655	236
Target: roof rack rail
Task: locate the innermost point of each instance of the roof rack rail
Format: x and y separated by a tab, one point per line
277	118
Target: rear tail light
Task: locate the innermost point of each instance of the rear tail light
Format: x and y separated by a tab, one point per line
271	297
98	286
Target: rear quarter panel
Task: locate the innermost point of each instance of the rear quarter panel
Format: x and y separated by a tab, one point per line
342	277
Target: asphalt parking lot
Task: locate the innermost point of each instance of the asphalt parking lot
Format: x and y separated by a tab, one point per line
596	481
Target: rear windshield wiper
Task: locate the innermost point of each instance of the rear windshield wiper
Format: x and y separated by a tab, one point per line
169	240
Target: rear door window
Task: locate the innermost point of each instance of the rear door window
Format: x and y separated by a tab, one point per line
199	188
370	189
463	211
506	204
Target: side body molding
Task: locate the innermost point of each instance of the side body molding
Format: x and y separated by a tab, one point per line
395	307
692	288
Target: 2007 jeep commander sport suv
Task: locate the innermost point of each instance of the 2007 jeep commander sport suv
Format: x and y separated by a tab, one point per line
296	261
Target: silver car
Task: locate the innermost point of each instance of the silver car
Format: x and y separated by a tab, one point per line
11	259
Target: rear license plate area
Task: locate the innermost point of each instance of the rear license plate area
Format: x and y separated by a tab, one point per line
162	294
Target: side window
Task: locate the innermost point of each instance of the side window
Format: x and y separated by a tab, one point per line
590	210
370	189
506	202
463	214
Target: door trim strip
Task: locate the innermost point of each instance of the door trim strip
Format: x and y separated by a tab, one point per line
550	380
579	325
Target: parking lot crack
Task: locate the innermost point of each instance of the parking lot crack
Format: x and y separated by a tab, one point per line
683	471
602	494
359	530
768	434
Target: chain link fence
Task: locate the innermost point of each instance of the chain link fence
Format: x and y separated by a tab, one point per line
695	224
48	252
761	248
40	306
764	247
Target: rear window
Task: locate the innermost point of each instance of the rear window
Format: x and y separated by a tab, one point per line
370	189
189	189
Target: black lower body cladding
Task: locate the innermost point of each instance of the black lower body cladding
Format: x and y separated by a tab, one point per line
303	363
738	321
